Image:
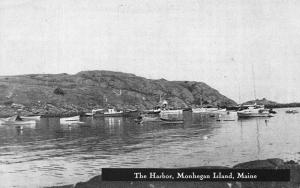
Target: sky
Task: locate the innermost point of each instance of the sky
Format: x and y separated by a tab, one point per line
243	48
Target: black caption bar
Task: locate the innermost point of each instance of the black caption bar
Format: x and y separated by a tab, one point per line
159	174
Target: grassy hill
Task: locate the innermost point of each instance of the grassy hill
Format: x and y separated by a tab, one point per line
63	93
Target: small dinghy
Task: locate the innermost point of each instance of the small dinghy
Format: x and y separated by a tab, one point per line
143	119
146	119
70	120
172	121
37	118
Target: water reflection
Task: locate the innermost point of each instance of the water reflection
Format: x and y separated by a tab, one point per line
63	154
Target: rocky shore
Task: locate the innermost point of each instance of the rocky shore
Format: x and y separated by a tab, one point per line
96	182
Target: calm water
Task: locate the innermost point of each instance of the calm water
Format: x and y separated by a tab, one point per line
52	154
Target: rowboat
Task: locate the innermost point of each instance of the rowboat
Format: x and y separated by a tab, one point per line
172	121
37	118
70	120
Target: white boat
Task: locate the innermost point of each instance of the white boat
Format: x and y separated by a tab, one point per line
70	120
111	112
254	111
11	121
145	118
221	110
208	110
199	110
88	114
171	121
154	111
171	115
31	117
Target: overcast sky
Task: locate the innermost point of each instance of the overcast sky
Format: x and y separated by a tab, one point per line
215	41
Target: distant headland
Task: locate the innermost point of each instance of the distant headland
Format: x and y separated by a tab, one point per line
272	104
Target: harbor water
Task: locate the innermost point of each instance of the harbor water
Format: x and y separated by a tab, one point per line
51	154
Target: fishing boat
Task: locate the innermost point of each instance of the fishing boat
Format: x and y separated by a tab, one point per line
291	111
111	112
254	111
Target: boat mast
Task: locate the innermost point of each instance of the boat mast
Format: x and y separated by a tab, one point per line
239	94
253	75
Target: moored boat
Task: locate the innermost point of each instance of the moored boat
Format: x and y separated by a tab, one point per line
148	119
208	110
130	113
154	111
16	122
291	111
31	117
254	111
70	120
171	114
171	120
111	112
29	122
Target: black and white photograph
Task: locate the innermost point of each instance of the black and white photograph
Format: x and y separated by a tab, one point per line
87	85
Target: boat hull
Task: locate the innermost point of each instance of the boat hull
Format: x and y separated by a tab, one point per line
31	117
109	115
148	119
134	113
208	111
170	121
70	120
18	123
249	115
151	111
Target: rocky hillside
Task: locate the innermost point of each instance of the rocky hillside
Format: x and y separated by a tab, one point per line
272	104
262	101
85	90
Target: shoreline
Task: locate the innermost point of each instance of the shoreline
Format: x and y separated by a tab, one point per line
272	163
7	111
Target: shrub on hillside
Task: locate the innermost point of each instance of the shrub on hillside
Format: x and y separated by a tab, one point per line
8	103
59	91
